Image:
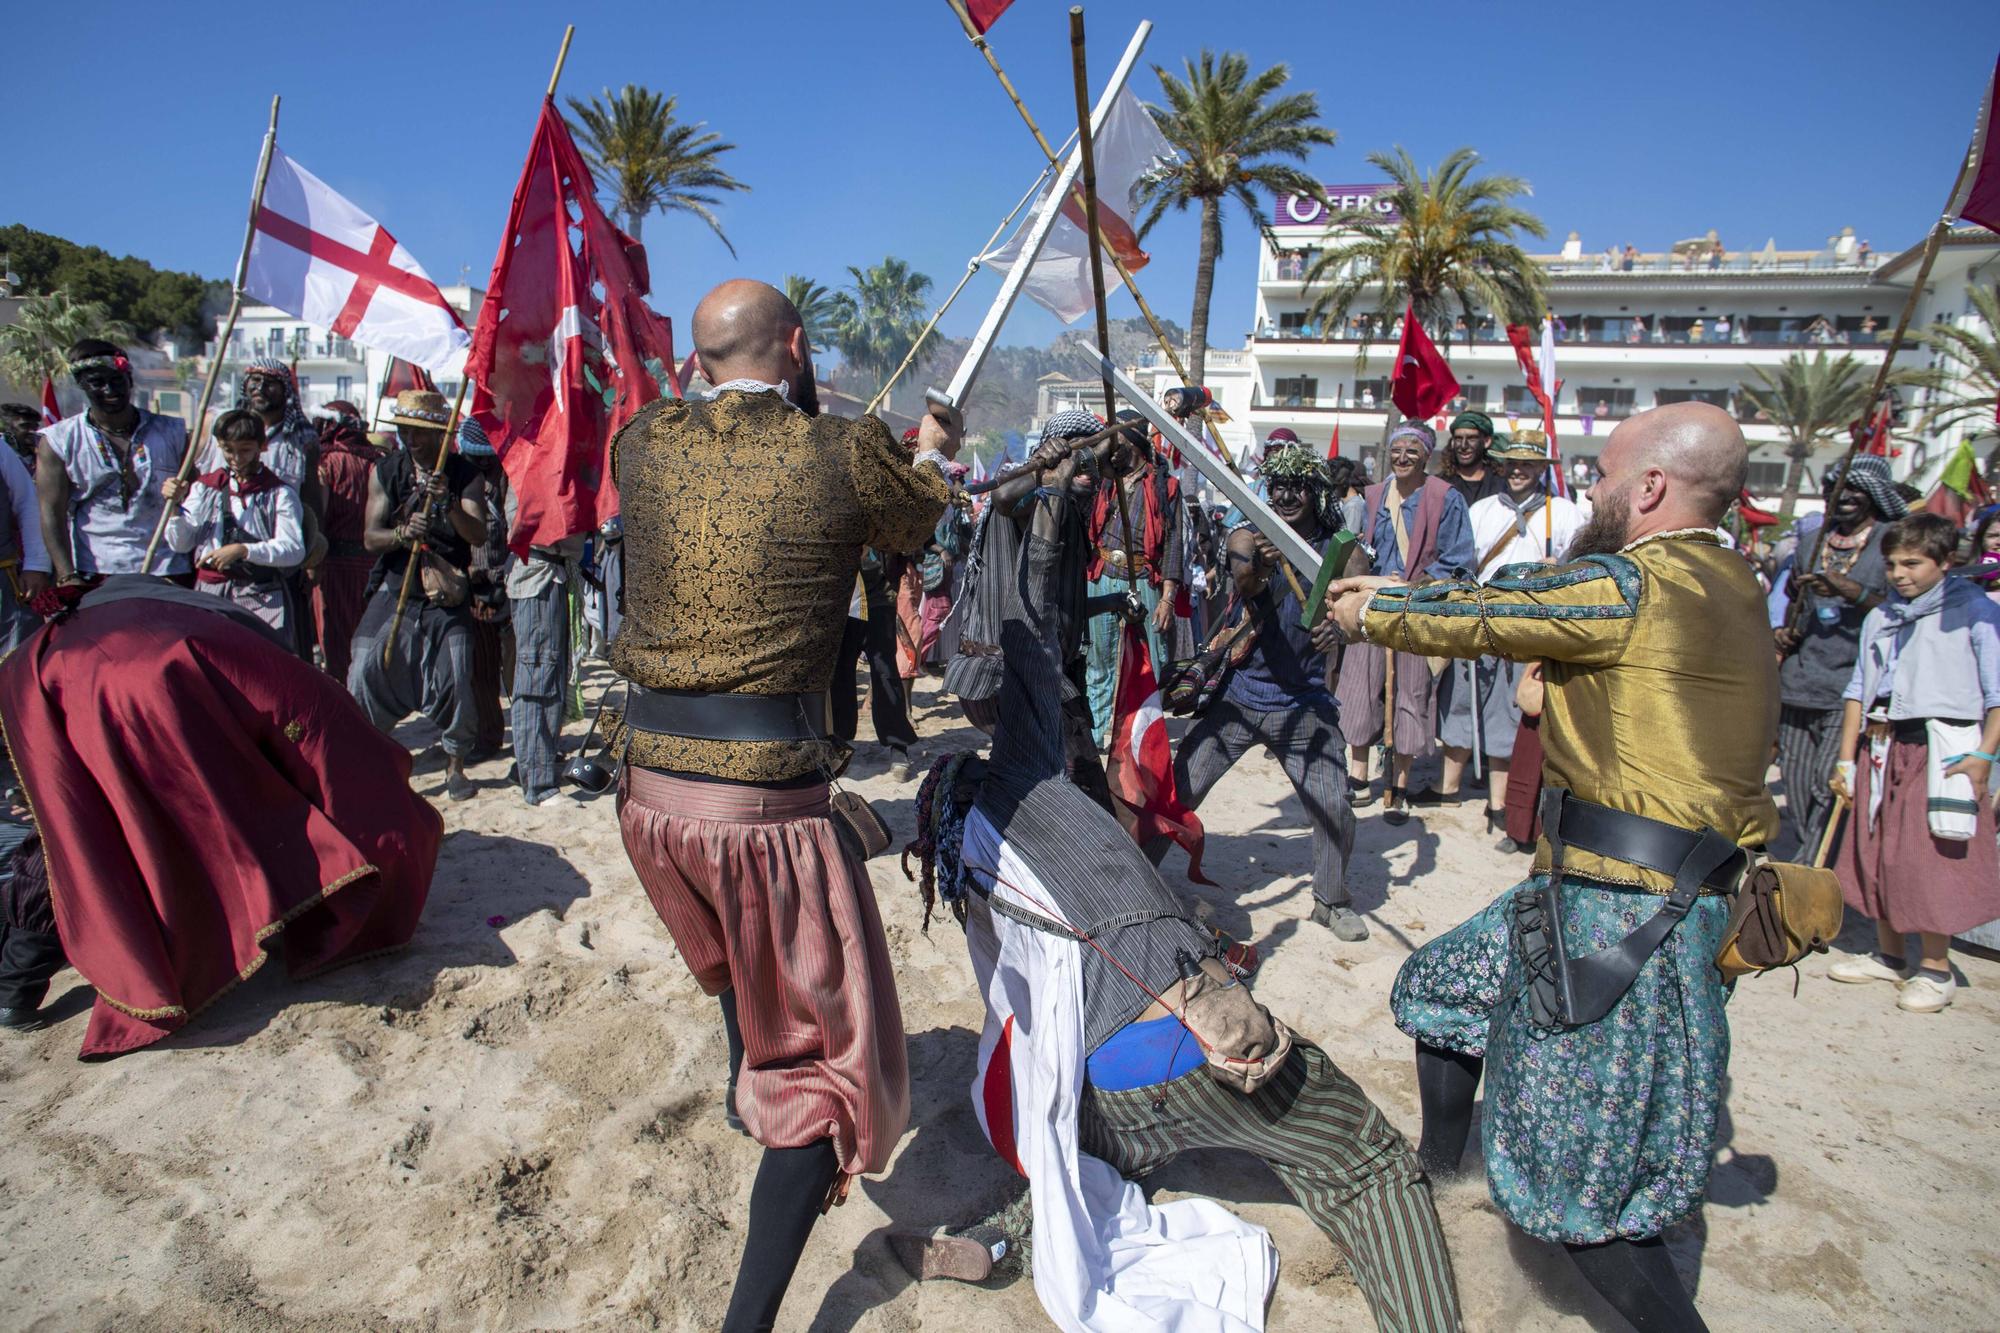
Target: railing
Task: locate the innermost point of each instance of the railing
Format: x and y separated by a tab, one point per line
1857	339
1294	270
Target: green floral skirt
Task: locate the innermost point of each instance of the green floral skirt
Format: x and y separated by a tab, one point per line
1596	1132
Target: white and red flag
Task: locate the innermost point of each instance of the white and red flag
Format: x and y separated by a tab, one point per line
1140	768
1543	386
566	350
1127	147
51	412
317	256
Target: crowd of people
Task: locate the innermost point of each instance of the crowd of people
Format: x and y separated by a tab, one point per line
1577	664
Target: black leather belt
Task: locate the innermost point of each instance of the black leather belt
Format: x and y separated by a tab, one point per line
694	715
1638	840
1565	992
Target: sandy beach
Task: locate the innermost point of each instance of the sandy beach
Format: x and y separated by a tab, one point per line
516	1123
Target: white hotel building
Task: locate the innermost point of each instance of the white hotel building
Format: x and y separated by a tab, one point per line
1661	328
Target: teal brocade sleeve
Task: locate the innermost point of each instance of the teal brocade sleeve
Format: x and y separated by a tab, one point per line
1580	612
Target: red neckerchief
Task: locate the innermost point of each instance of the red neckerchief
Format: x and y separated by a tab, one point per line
1151	524
263	479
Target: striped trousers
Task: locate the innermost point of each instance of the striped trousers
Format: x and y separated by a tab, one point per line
1347	1166
1808	745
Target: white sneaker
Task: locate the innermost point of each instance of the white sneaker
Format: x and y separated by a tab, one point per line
1864	967
1921	995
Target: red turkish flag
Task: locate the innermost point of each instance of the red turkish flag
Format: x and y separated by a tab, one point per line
51	413
1140	769
1978	198
403	375
1333	449
985	13
1423	382
566	350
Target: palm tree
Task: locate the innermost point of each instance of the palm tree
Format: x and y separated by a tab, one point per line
1452	249
1810	401
1965	379
1232	134
886	304
649	161
822	312
32	348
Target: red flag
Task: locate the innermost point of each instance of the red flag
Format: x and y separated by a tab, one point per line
1978	198
985	13
1333	449
51	413
405	375
1423	382
1140	770
1746	505
566	350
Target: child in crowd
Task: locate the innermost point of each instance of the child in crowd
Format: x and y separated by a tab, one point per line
1919	854
243	523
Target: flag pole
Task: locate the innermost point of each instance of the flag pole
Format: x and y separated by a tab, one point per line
1795	613
417	552
978	39
200	425
971	267
569	31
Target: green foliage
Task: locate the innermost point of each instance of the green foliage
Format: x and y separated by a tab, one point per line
32	348
885	313
1810	400
132	292
1236	136
1965	381
1454	250
821	311
645	161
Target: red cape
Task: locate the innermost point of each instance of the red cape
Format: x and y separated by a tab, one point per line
200	790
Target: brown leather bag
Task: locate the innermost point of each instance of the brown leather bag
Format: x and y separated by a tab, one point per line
858	824
1782	913
443	585
1245	1046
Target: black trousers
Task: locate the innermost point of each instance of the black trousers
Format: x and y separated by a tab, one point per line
876	638
30	950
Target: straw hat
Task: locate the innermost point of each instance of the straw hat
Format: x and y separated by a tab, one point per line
1523	446
425	409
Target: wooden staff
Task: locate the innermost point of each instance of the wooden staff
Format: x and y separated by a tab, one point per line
418	551
1795	613
228	328
569	31
1832	827
978	39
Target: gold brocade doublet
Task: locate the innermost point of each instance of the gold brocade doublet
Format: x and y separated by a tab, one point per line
1662	691
744	521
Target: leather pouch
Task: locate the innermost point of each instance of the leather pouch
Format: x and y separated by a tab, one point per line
443	585
1782	913
858	824
1244	1044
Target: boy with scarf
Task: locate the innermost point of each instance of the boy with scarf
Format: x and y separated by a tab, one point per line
242	523
1918	854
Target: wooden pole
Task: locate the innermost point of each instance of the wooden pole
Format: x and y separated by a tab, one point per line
198	430
417	551
1795	612
973	267
978	39
569	31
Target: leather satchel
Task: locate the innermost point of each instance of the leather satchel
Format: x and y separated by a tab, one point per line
443	585
858	825
1244	1045
1782	913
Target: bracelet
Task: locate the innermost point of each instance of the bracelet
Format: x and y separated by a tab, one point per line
1974	754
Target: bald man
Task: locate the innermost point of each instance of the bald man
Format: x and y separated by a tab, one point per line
1604	1070
745	516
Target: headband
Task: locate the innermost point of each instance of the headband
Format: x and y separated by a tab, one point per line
1414	430
115	362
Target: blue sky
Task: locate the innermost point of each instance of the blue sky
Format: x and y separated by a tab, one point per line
869	128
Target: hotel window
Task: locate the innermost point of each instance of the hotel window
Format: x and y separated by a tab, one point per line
1612	403
1300	391
1516	401
1371	393
1470	396
343	387
1293	324
1719	397
1767	478
168	401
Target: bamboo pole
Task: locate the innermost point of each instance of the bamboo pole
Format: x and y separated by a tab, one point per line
417	551
200	426
569	31
971	267
1795	612
978	39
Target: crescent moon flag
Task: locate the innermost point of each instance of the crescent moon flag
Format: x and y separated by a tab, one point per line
318	257
1423	381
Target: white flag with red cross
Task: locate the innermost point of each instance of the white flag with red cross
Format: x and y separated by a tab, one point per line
318	257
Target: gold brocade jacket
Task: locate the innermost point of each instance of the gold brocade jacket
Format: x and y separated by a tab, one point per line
744	521
1662	691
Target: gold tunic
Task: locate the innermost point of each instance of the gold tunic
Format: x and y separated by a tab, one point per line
1662	691
744	521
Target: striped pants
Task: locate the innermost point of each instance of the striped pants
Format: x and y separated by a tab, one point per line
1346	1165
1808	745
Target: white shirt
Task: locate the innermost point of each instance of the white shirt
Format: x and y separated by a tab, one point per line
20	484
1550	530
268	523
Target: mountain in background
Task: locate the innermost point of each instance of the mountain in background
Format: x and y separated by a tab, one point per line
151	300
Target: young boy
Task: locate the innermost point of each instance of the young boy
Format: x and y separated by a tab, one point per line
1928	679
242	522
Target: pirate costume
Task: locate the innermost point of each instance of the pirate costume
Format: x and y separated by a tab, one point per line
260	512
116	484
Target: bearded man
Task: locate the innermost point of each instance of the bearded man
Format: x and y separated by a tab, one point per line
1604	1074
428	504
744	520
100	475
1468	459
